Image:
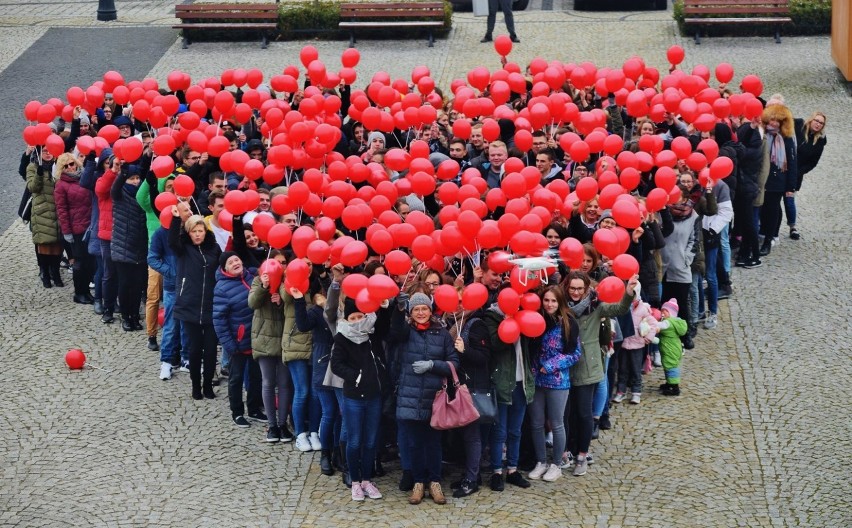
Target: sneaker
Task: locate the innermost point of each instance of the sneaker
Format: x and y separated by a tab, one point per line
496	482
794	233
580	466
548	439
658	362
184	366
538	471
357	492
604	423
165	371
636	398
725	292
486	38
465	488
241	422
753	263
567	461
107	317
286	435
516	479
775	241
302	443
589	459
370	490
224	372
711	322
619	397
703	317
258	416
152	344
515	39
553	472
316	445
273	435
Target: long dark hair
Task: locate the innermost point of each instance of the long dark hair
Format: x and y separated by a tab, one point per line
565	315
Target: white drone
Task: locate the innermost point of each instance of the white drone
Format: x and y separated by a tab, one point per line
534	267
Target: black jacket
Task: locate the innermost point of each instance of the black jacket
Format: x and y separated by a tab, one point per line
129	228
360	365
748	170
809	152
196	274
475	369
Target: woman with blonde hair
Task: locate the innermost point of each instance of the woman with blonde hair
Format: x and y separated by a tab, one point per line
810	142
783	170
74	212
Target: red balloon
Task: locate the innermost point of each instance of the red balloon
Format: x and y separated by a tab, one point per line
665	178
752	84
75	359
397	262
279	236
625	266
675	55
297	271
587	188
183	186
721	168
606	242
626	214
353	284
446	298
275	271
656	199
610	290
531	322
503	45
354	253
474	296
509	330
571	251
509	301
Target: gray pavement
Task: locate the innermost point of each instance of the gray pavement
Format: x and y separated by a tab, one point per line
761	436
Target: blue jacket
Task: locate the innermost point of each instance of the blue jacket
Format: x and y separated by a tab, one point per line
162	259
416	392
555	355
231	313
312	320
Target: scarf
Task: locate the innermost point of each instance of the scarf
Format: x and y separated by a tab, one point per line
681	211
584	306
73	175
130	188
777	152
359	331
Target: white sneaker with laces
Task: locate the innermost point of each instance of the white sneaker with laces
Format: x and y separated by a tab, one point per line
165	370
553	472
635	398
538	471
567	461
184	366
711	322
314	439
658	362
619	397
302	443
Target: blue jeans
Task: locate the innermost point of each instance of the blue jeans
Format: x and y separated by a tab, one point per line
725	248
696	297
425	450
790	209
507	431
99	275
338	394
328	403
314	411
172	335
403	442
710	256
363	417
109	282
300	373
601	393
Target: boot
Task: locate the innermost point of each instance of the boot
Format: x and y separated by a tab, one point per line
437	493
126	323
207	390
674	390
53	266
325	462
43	270
766	248
378	469
596	429
196	390
344	476
406	482
335	460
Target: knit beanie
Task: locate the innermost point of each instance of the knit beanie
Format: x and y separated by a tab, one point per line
671	306
606	213
374	135
349	307
223	259
419	299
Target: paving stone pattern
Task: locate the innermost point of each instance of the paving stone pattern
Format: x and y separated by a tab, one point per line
760	437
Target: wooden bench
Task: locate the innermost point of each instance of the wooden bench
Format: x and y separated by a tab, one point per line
391	15
707	12
227	17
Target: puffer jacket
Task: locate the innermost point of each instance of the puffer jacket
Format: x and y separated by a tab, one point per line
232	316
475	361
779	180
43	223
360	366
553	354
162	259
129	235
73	205
416	392
103	189
504	362
311	320
87	180
589	368
196	274
267	324
295	345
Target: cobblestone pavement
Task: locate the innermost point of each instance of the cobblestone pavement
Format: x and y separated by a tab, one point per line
761	436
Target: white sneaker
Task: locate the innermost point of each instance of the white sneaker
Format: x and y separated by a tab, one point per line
711	321
553	473
314	439
184	366
302	443
538	471
619	397
636	398
165	370
567	461
548	439
658	362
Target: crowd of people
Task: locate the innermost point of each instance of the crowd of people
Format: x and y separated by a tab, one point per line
320	371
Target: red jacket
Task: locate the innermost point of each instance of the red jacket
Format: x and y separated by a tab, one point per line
102	189
73	205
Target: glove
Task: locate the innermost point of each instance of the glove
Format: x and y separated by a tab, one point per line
402	302
69	238
422	367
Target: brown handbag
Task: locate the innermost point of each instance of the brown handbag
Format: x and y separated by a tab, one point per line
453	413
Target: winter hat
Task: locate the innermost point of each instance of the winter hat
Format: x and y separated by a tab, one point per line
349	307
122	121
84	120
606	213
671	306
223	258
374	135
419	299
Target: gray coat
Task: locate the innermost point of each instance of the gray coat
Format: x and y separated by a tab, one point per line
680	251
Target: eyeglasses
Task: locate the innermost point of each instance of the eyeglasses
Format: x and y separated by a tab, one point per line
818	121
578	290
432	284
70	165
194	158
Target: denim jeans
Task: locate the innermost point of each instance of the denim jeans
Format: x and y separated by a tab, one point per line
710	260
601	392
300	373
314	411
425	447
275	377
99	276
473	442
403	442
242	363
507	431
338	395
790	209
109	282
171	331
548	403
725	249
363	417
696	299
328	402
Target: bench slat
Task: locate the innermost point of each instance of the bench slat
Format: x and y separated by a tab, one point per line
225	26
736	10
393	14
401	23
246	7
737	20
228	16
690	3
394	5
